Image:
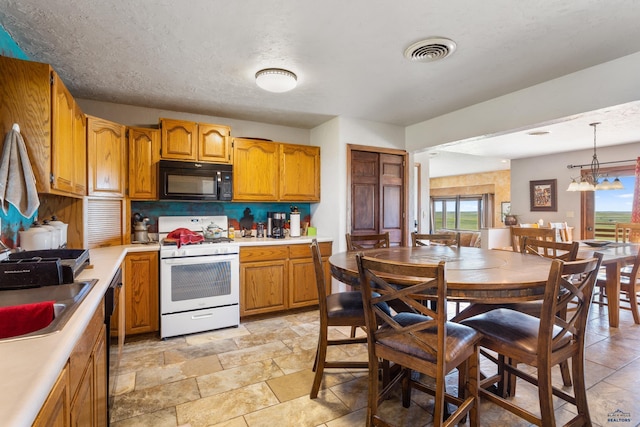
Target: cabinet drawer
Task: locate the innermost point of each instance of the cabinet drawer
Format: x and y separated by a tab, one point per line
303	250
264	253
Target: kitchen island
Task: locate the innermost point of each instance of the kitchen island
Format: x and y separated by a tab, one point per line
31	366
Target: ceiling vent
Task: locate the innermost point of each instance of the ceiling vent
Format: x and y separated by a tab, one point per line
430	49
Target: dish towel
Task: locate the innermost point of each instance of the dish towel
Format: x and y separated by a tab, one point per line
184	236
17	182
22	319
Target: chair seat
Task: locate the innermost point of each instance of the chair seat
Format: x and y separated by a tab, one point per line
459	338
345	308
518	330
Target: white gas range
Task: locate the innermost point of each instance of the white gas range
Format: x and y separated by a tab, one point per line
199	282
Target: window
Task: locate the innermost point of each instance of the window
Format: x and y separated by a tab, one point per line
602	209
613	206
460	212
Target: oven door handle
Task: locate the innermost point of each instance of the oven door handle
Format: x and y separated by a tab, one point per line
201	316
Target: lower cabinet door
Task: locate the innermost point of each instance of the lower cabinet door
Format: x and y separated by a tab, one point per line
141	293
55	411
83	407
263	287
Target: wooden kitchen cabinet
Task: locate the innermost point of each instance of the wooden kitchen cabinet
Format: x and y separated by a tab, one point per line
299	173
88	375
49	120
141	293
255	168
263	279
55	411
107	158
272	171
214	143
303	290
178	139
279	277
191	141
144	154
79	396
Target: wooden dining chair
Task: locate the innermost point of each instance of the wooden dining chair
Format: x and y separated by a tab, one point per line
544	341
563	231
448	239
629	288
339	309
564	251
420	340
628	232
517	233
367	241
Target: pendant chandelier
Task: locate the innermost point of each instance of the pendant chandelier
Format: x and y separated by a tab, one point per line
591	181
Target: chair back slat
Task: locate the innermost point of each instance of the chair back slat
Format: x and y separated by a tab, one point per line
320	279
448	239
367	241
549	249
430	280
517	233
569	283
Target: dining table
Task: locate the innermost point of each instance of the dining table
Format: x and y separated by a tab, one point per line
615	256
472	274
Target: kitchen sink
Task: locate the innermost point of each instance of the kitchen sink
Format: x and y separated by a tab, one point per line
66	299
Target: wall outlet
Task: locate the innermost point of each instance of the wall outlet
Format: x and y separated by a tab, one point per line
570	214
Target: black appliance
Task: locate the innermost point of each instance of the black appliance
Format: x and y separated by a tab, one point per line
115	336
195	181
278	222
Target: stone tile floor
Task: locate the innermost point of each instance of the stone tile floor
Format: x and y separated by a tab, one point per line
259	374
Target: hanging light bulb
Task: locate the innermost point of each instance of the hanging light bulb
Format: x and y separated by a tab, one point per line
617	184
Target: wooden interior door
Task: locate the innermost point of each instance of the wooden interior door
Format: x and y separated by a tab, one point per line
365	212
378	193
392	189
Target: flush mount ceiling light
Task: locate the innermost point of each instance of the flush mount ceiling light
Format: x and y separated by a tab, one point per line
276	80
431	49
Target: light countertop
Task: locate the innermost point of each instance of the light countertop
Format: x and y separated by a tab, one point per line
30	367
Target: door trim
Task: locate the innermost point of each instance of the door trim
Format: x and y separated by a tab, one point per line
405	183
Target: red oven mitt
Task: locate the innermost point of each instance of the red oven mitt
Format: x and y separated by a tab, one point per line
23	319
184	236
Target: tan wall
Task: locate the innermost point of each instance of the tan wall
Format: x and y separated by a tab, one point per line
498	183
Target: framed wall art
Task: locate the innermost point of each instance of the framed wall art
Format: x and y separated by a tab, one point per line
544	195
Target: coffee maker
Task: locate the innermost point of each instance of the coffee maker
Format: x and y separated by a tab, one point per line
277	225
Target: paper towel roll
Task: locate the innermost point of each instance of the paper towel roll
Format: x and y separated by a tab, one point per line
294	224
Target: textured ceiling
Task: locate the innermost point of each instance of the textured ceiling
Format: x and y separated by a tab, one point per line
201	56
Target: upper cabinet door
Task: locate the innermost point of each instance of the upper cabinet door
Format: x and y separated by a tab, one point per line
62	136
214	143
106	151
255	170
179	139
299	173
80	151
144	153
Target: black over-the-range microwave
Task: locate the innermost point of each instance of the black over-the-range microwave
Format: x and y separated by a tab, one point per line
195	181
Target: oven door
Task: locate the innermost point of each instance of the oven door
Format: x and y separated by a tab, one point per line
197	282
